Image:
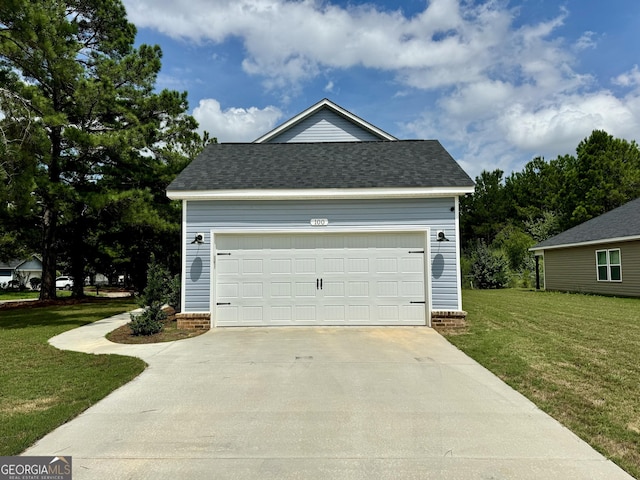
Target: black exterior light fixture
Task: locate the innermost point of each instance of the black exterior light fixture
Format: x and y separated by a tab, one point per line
440	237
198	239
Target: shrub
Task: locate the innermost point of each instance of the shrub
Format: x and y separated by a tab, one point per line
173	296
490	268
155	293
35	283
153	297
148	322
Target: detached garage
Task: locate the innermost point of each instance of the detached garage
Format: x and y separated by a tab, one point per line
327	220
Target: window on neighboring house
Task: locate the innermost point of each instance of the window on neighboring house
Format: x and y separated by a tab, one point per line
609	265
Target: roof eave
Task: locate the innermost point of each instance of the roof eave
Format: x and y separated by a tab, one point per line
629	238
319	193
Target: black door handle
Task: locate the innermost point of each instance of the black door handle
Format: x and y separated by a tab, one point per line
320	284
317	284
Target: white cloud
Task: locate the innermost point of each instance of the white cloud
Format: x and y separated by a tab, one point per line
235	124
629	79
586	41
504	93
288	42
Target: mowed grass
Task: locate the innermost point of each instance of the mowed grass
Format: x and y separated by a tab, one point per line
25	294
576	356
42	387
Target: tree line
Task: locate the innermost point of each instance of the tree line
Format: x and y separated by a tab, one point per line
507	215
87	143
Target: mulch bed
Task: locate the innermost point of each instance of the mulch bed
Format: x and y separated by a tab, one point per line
169	333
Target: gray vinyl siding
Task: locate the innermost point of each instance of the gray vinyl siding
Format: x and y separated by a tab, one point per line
31	265
574	270
205	216
325	126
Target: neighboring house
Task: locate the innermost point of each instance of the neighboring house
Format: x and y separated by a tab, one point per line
21	270
601	255
326	220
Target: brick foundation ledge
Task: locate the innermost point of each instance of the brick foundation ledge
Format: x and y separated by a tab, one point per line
194	321
448	318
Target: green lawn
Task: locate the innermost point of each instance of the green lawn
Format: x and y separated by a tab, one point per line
8	295
42	387
576	356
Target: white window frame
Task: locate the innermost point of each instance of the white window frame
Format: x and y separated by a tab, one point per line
609	265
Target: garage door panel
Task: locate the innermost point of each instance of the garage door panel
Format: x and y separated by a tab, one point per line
412	264
280	266
387	265
412	289
325	279
389	313
228	266
305	265
387	289
252	267
229	290
332	265
412	312
252	290
357	265
333	289
281	314
305	289
335	313
280	289
359	313
305	313
252	313
358	289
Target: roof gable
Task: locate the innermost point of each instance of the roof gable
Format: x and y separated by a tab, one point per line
29	263
325	121
622	223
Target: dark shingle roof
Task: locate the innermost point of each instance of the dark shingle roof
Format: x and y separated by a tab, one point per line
620	222
404	163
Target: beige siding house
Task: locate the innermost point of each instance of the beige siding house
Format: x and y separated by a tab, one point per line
599	256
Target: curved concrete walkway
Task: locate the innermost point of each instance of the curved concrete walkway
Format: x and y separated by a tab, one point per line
313	403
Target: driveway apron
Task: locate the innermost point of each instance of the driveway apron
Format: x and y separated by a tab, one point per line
313	403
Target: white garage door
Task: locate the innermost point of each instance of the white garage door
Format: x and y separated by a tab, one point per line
320	279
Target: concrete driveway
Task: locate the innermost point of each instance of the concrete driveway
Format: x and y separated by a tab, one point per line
313	403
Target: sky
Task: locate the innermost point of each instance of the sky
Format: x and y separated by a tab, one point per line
498	83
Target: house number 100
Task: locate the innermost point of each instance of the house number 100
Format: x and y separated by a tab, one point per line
319	222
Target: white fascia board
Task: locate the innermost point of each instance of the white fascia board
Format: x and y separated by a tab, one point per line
319	193
586	244
313	109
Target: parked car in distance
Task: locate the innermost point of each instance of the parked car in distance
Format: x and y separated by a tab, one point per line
65	283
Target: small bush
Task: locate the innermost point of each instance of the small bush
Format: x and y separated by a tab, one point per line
490	268
35	283
155	293
173	296
153	297
148	322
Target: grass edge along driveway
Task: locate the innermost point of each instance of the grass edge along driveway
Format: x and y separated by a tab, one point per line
575	356
42	387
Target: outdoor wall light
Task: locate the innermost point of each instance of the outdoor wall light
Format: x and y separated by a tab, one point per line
440	237
199	238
